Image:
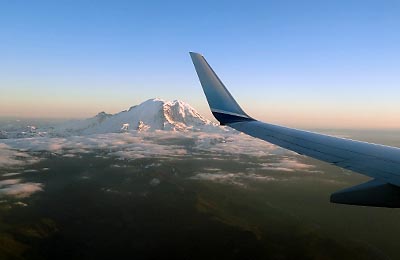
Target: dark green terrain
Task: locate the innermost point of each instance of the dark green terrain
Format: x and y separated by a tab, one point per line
98	207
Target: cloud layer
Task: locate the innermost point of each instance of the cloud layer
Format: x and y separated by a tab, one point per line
260	156
133	145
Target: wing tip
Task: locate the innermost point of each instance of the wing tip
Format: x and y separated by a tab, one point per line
223	106
195	54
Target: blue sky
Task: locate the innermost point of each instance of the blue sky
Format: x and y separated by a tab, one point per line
299	63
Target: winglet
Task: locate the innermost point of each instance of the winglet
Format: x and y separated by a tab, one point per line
223	106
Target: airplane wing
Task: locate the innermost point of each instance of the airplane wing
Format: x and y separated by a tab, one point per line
380	162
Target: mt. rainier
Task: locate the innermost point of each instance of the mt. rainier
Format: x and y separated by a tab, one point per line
153	114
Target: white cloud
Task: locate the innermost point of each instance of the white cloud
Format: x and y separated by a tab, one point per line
11	174
30	170
212	169
20	203
127	146
9	182
10	157
233	178
226	178
235	144
288	165
21	190
14	188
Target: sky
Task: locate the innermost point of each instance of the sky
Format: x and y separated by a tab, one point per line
314	64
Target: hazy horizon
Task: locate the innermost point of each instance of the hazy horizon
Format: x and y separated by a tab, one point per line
291	119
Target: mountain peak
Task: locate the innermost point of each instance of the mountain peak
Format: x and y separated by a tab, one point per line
152	114
102	116
155	100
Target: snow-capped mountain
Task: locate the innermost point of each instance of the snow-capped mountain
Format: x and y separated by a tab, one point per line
153	114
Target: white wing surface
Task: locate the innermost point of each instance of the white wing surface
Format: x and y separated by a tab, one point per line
382	163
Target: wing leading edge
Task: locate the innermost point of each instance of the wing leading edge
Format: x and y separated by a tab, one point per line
382	163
